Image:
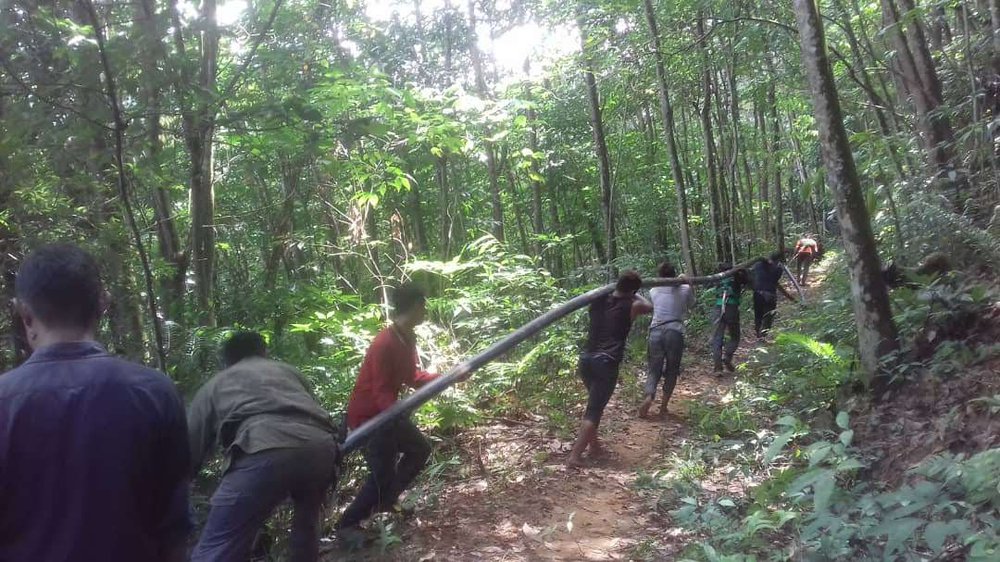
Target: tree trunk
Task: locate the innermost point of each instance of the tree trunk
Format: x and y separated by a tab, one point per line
667	114
198	113
535	178
601	149
496	202
557	257
995	34
877	338
920	80
152	52
444	191
711	170
776	165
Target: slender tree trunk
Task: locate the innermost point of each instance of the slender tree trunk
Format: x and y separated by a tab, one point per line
920	81
995	34
444	192
557	251
152	52
535	178
777	203
711	169
601	150
496	200
877	337
667	114
764	193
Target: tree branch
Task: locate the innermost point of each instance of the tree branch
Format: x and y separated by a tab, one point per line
119	129
224	95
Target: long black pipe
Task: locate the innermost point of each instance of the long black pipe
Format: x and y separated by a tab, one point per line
359	436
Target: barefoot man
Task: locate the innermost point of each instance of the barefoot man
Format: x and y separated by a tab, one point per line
610	321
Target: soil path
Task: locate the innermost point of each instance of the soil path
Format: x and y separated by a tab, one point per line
523	504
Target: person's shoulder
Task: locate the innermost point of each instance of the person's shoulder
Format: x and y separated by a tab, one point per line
139	375
15	380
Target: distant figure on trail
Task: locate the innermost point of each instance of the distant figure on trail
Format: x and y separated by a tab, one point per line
766	279
93	449
610	321
397	452
806	250
728	293
666	338
279	444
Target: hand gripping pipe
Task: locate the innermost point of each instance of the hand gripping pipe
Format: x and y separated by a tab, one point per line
360	436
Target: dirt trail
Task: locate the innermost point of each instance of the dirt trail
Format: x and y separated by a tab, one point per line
523	504
526	505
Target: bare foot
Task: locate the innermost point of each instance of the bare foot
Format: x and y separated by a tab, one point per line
574	462
597	450
644	407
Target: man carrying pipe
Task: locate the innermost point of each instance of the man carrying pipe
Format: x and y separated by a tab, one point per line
610	321
727	318
397	452
279	444
666	338
806	250
766	280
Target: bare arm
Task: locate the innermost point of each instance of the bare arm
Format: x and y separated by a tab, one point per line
640	306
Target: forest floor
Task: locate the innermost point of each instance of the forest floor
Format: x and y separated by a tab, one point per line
523	504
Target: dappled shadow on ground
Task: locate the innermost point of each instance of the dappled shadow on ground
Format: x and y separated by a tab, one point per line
521	503
524	504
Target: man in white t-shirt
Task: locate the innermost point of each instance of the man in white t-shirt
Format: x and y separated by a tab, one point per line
666	338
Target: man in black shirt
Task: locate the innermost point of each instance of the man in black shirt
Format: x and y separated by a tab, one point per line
766	282
610	321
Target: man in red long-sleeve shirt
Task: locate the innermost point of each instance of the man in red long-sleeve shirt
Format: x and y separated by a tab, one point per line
390	363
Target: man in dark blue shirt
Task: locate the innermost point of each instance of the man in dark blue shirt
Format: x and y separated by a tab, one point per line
94	457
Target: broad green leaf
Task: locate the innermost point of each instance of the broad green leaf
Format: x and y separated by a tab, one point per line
846	437
898	531
823	489
935	534
776	446
842	420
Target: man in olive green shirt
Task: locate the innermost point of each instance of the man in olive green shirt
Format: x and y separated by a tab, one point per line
278	442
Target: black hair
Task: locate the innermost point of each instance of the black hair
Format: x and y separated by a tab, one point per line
242	345
723	266
629	282
406	297
667	269
61	284
777	255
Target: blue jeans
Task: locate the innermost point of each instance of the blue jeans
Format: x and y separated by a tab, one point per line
253	487
664	351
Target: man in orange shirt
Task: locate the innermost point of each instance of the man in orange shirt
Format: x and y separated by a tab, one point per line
390	363
805	252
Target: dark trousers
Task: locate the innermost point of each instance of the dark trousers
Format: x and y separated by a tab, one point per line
802	264
253	487
600	375
664	351
764	305
389	474
727	321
